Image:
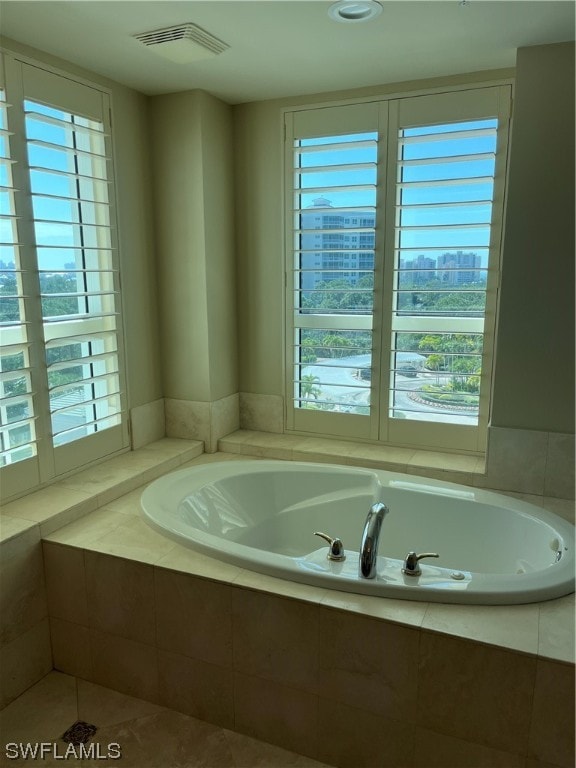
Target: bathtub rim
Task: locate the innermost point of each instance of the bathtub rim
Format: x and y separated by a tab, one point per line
536	587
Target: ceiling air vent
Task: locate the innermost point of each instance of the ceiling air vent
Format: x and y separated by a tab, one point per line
183	43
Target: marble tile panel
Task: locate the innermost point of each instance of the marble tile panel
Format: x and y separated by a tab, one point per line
148	423
224	417
408	612
71	648
552	729
388	466
187	419
53	524
82	533
65	582
22	593
42	712
211	458
446	476
281	587
25	660
276	713
354	738
105	707
317	458
138	460
475	692
133	539
185	560
251	753
556	634
121	597
381	454
106	477
435	750
333	451
560	463
174	448
271	440
261	445
13	526
193	616
263	413
124	665
449	462
168	740
506	626
516	460
564	508
140	478
196	688
369	664
129	504
533	763
50	503
276	639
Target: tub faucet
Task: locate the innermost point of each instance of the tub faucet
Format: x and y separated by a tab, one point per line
369	544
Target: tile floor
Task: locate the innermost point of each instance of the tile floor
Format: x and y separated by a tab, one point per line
149	736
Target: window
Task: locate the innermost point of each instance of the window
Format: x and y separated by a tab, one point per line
62	393
395	344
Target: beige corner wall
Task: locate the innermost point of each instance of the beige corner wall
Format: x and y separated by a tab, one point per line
193	202
534	386
133	191
534	375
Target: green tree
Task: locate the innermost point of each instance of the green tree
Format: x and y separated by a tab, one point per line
309	388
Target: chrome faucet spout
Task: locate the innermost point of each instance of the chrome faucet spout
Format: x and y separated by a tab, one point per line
370	537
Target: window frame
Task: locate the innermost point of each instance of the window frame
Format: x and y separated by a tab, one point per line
26	79
378	427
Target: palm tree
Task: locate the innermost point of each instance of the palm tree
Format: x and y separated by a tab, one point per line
308	387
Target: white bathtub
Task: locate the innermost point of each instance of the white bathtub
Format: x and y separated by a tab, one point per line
262	515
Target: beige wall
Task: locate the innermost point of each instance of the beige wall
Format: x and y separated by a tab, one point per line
134	185
534	379
192	161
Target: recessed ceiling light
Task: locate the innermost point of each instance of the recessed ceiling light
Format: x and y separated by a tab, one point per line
354	10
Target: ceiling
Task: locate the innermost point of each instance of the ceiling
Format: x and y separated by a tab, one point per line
279	49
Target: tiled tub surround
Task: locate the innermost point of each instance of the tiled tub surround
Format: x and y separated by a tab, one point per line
25	654
311	670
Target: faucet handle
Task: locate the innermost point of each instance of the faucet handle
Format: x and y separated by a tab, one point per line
336	548
412	564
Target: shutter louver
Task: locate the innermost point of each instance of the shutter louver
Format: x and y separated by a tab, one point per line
68	164
17	419
443	224
334	241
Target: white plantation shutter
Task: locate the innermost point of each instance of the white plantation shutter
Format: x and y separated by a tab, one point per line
393	249
444	213
333	190
69	174
70	346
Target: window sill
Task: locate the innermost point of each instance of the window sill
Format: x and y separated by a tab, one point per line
450	467
68	500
